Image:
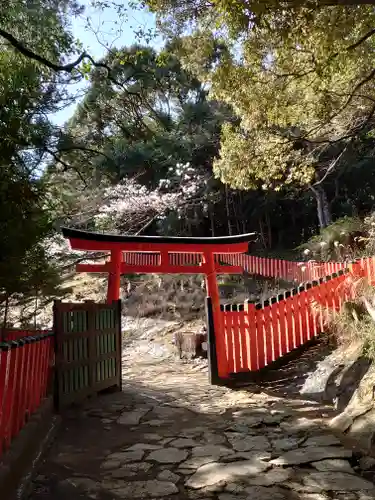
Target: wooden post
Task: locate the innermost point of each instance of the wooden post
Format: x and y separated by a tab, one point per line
118	313
213	374
114	276
213	292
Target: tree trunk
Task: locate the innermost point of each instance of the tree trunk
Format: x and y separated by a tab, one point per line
212	222
322	206
261	231
228	211
36	307
6	309
269	229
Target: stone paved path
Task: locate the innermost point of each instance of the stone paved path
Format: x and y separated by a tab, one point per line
170	435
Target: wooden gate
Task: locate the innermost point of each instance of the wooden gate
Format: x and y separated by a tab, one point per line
88	349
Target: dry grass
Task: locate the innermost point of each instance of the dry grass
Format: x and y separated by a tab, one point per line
354	322
182	297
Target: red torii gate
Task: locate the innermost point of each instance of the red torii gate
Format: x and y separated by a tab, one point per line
163	255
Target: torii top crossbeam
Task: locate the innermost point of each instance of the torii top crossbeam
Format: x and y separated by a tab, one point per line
159	254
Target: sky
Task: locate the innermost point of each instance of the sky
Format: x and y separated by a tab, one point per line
106	28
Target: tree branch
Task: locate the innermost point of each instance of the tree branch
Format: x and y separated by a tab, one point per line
65	165
67	68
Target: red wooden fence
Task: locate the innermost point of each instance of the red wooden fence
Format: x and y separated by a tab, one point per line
8	334
258	334
290	271
25	372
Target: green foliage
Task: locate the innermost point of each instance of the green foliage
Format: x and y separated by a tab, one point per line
299	76
28	93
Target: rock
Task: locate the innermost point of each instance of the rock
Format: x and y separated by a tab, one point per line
85	483
132	417
286	444
127	456
363	495
315	496
144	446
274	476
156	422
151	436
168	455
215	472
214	488
299	425
274	418
336	481
249	420
165	441
186	472
212	438
307	455
167	475
184	443
128	470
168	412
193	432
347	496
236	488
248	443
145	489
211	450
248	455
341	422
195	462
110	464
322	440
367	463
257	493
333	465
363	430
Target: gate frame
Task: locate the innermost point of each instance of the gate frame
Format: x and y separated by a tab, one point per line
91	334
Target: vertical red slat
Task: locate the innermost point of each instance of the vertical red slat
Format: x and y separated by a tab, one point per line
303	315
289	321
30	377
319	308
275	320
5	356
9	400
309	312
267	329
26	380
283	340
251	336
17	391
33	376
296	318
229	337
44	354
18	405
39	362
259	321
236	339
245	365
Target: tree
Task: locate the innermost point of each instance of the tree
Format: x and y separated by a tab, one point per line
28	93
303	74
